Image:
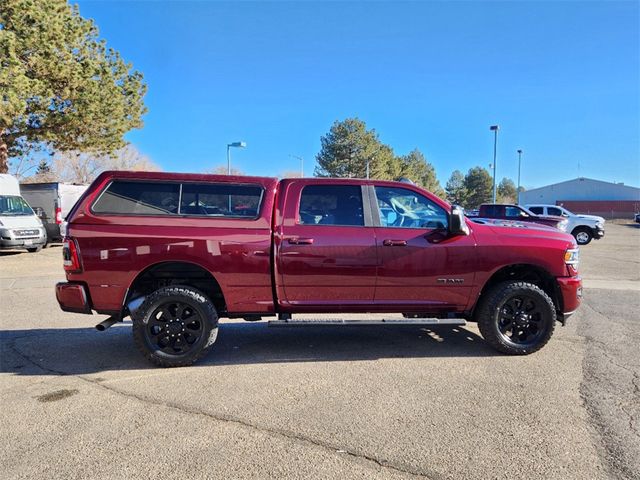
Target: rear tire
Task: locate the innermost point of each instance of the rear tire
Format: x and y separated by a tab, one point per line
516	318
582	235
175	326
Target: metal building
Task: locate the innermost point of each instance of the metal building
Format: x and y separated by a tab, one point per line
585	195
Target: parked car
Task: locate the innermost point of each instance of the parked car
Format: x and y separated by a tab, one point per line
52	202
637	217
20	228
176	252
583	227
503	211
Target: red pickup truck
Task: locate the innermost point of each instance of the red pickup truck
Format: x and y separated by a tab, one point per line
516	213
176	252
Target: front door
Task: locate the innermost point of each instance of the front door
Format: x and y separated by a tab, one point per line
421	267
326	252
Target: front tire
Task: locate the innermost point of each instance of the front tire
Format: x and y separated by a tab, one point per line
175	326
516	318
582	235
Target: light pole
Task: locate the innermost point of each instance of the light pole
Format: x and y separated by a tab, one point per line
519	165
301	164
495	129
235	145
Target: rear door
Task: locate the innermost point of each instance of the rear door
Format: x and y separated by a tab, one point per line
325	246
420	266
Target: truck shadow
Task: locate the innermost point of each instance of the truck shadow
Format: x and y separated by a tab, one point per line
84	350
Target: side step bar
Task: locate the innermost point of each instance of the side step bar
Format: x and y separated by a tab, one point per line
299	322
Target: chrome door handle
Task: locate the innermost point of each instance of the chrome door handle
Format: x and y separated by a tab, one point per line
300	241
394	243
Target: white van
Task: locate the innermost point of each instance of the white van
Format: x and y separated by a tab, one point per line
19	225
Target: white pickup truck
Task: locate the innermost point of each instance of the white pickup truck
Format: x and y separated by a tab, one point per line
583	227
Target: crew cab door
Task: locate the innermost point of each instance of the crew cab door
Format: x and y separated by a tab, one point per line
325	245
422	268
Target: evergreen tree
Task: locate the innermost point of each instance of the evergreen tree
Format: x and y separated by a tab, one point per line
479	187
61	88
455	189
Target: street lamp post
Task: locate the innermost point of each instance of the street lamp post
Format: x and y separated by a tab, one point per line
519	165
495	129
301	164
235	145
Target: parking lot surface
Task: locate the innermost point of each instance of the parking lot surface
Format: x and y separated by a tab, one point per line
323	402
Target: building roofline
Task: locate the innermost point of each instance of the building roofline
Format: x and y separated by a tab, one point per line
581	179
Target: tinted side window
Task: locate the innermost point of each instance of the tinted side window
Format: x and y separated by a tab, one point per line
404	208
139	198
221	200
536	210
492	211
554	211
331	205
514	212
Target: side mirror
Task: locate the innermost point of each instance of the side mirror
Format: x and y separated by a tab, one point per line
457	222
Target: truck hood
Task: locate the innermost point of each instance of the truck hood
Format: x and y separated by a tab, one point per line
593	218
20	221
510	228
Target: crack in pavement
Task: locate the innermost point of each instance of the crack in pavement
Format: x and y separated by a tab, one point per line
403	469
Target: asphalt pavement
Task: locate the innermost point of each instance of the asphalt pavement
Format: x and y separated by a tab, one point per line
323	402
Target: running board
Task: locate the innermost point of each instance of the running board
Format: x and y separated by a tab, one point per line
299	322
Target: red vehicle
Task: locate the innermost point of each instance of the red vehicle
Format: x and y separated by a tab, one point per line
502	211
176	252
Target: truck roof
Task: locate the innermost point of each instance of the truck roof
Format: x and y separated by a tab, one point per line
182	176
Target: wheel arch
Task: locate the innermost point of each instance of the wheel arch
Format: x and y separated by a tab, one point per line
175	272
581	227
525	272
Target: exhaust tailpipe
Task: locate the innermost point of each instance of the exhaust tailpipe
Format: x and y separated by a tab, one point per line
102	326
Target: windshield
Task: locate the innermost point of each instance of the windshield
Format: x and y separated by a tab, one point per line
13	205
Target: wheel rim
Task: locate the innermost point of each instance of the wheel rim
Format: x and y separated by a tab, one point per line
174	328
521	320
582	237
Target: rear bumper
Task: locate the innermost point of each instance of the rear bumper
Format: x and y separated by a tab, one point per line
571	289
72	297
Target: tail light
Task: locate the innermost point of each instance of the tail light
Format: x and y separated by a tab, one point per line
58	215
71	256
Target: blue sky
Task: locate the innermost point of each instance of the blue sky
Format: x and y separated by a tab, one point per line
560	78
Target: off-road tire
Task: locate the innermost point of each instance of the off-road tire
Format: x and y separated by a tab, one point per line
489	311
183	295
583	235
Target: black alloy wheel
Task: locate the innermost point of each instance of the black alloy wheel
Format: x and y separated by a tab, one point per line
521	320
174	327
